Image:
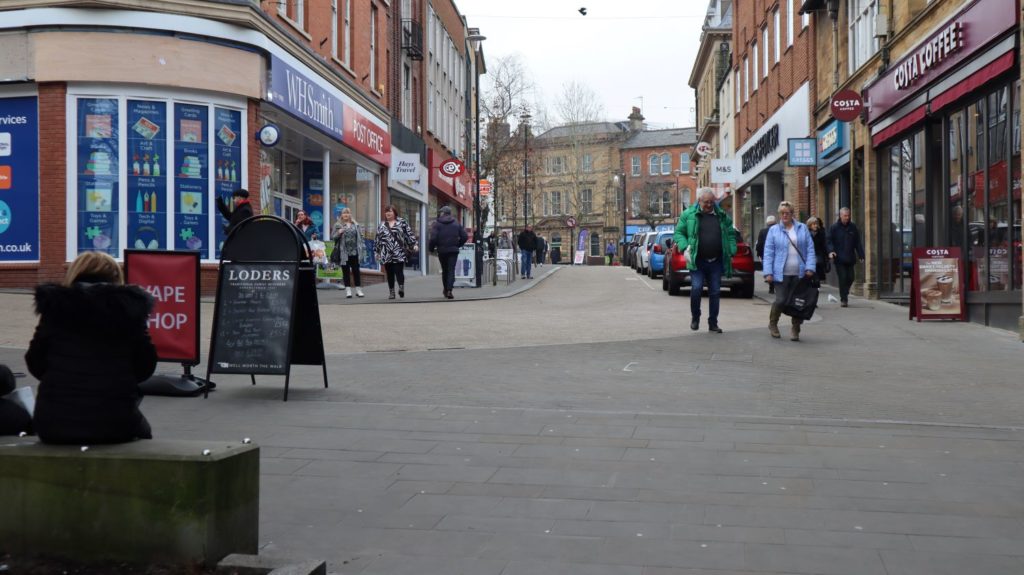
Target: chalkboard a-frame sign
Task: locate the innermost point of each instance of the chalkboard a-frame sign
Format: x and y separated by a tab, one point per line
266	282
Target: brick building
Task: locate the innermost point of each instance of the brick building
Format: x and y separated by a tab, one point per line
710	69
934	159
133	118
773	71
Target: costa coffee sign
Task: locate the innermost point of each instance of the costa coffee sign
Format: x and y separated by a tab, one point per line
846	105
947	42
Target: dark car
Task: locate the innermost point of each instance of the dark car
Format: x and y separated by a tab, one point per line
741	283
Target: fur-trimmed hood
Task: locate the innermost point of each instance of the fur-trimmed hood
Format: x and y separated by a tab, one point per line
94	308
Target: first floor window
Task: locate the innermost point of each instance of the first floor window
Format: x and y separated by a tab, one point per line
635	162
586	201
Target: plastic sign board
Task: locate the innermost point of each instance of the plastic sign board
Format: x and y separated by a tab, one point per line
846	105
172	278
703	148
452	167
571	222
724	171
485	187
936	286
802	152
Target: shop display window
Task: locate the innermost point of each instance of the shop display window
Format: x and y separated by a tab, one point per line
357	188
410	210
148	170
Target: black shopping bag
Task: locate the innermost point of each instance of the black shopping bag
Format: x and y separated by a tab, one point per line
802	299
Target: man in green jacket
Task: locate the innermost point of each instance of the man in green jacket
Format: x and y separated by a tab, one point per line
706	231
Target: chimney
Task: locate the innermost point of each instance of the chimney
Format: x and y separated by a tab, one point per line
636	120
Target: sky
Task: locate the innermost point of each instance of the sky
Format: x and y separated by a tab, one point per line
629	52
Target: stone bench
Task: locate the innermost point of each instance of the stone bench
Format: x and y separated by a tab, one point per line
146	502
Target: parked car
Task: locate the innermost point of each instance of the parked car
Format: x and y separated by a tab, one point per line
741	283
660	247
643	251
631	251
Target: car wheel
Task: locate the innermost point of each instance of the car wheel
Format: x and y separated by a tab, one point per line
650	273
664	281
673	287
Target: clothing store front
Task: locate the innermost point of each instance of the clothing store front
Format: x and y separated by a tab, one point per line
764	177
945	126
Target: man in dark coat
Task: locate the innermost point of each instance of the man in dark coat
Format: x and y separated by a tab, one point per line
241	211
446	237
759	246
542	250
845	249
527	242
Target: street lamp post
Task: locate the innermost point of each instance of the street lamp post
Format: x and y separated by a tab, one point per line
622	176
525	117
478	236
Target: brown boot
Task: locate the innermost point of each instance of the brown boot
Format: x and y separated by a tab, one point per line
773	321
794	332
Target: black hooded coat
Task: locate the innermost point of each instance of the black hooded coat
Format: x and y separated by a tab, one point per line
90	351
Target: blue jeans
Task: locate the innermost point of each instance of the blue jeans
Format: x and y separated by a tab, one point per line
710	274
527	265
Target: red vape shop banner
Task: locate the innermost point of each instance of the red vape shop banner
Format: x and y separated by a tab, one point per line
172	278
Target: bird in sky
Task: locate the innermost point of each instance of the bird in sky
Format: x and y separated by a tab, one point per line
583	11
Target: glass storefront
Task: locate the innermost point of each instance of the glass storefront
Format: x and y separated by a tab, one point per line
956	182
409	209
356	188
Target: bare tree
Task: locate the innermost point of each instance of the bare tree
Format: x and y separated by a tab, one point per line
653	210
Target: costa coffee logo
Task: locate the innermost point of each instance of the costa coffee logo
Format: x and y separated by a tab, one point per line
938	252
943	45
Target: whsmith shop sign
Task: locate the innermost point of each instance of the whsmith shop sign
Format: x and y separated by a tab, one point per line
766	146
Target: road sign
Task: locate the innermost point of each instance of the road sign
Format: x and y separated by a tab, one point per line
485	187
452	167
570	221
846	105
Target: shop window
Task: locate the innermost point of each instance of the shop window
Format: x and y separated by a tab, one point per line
357	188
595	245
157	205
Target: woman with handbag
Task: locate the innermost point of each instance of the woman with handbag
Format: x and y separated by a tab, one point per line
788	257
394	238
348	250
817	229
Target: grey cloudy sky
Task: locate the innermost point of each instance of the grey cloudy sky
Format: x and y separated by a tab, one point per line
621	50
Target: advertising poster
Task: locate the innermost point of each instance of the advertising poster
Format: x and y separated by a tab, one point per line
98	186
19	179
506	263
313	192
937	284
191	178
227	164
465	266
172	278
147	175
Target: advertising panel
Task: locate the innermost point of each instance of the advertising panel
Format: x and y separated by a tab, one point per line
172	278
937	288
227	163
191	178
97	177
313	193
147	175
19	179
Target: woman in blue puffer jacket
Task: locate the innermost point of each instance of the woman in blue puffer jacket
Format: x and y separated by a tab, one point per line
788	256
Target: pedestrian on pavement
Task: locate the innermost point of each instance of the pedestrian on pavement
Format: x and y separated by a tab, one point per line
240	210
90	351
310	230
492	245
706	231
817	229
14	419
845	250
504	242
788	256
527	242
348	244
446	237
759	246
609	251
542	250
395	242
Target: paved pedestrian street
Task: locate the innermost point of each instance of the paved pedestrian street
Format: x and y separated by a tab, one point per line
574	425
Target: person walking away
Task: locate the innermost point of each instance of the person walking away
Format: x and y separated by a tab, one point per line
788	256
306	226
759	245
348	244
90	351
394	240
527	242
542	250
609	252
706	231
817	229
446	237
845	250
240	210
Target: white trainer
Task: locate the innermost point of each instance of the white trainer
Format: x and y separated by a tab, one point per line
359	292
348	292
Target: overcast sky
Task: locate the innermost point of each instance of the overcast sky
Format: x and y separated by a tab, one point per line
622	50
